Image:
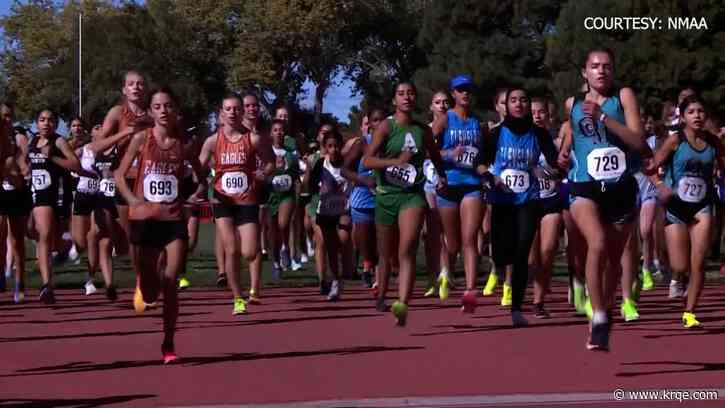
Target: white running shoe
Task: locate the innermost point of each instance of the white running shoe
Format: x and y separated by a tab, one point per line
304	258
310	249
335	290
73	254
90	287
296	266
677	290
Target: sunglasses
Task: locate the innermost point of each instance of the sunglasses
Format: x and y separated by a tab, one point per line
465	88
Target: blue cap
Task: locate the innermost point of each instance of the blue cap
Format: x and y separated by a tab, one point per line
461	80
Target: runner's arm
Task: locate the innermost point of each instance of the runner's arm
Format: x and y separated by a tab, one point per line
371	159
70	161
119	174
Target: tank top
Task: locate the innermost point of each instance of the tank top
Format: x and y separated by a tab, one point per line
689	171
516	157
86	185
45	174
128	117
334	190
286	170
407	177
467	133
600	155
234	166
159	176
362	196
104	167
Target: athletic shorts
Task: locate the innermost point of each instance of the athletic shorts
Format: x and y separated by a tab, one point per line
187	188
105	204
84	203
192	210
277	199
240	214
388	206
303	200
452	196
646	190
565	195
16	203
680	212
328	222
617	203
363	215
46	198
549	205
157	234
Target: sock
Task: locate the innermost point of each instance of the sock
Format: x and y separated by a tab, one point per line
599	317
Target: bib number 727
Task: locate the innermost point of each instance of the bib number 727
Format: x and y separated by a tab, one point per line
691	189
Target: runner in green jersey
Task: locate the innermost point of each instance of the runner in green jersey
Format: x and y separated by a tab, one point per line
396	153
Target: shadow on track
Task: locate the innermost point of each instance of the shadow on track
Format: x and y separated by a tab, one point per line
77	402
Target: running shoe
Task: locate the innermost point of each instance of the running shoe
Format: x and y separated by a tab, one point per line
647	282
588	309
138	304
221	280
400	311
580	301
310	249
432	291
518	319
443	286
184	283
468	302
380	305
324	288
599	337
240	306
46	295
636	289
540	311
8	271
253	298
304	259
111	293
374	290
335	291
507	295
19	293
284	258
629	310
90	288
73	255
491	283
296	266
276	273
677	290
168	354
689	321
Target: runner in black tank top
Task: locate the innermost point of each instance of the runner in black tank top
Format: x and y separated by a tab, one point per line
47	155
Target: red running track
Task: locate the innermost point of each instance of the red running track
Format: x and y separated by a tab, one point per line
85	351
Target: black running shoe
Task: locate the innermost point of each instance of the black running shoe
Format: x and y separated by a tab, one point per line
111	293
540	311
599	337
221	280
46	295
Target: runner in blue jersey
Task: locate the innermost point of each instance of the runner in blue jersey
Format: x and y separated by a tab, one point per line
511	155
362	198
690	157
607	135
460	204
546	241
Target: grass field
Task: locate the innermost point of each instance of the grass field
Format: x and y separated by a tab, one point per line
201	269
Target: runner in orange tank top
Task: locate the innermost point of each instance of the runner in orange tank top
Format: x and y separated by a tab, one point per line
234	150
156	218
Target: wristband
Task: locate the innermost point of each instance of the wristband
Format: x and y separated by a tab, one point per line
603	117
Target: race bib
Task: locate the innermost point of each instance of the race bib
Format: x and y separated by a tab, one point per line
87	185
40	179
516	180
547	187
402	176
467	157
160	188
282	183
235	183
7	186
108	187
691	189
606	163
332	204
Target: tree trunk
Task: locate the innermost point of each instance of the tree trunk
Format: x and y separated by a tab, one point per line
320	91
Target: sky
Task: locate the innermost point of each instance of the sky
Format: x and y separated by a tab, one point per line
338	99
